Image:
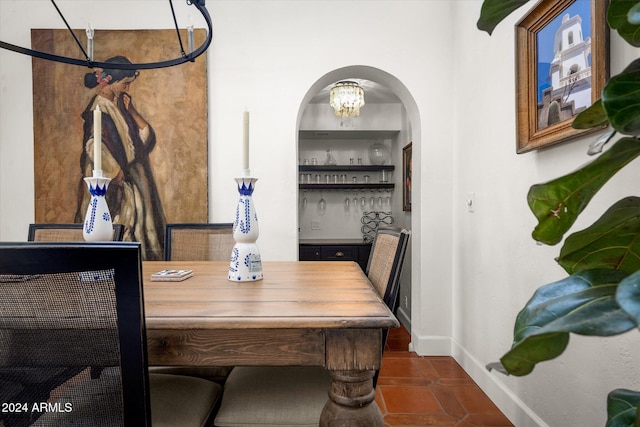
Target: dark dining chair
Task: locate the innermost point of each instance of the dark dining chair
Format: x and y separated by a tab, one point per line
68	232
198	242
68	308
295	396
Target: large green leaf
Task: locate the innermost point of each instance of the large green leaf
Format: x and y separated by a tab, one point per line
621	100
628	296
633	15
494	11
583	303
592	117
613	241
622	408
557	204
622	16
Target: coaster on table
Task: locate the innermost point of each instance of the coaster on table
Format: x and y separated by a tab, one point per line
171	275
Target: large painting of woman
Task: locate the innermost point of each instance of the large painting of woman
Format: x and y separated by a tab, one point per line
127	141
154	132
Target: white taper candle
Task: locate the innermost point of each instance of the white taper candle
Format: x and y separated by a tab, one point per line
97	140
245	141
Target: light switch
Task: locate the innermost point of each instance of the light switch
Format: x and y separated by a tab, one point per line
315	225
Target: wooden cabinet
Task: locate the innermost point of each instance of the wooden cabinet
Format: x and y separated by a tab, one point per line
335	250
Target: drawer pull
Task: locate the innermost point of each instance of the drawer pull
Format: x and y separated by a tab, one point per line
339	254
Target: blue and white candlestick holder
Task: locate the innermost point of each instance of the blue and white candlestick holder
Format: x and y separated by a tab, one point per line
245	265
97	221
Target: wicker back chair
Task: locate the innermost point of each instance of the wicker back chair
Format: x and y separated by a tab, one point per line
72	337
385	263
198	242
46	232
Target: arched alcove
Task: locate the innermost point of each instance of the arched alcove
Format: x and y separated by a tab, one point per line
409	298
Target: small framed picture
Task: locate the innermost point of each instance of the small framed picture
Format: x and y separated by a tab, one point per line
406	177
562	63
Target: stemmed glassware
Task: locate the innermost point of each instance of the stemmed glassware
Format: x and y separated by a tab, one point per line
322	206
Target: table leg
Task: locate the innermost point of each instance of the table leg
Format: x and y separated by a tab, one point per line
351	401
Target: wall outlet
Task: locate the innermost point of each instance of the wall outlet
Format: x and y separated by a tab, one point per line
406	301
315	225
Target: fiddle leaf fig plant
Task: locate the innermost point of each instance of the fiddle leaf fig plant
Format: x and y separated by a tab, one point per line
601	295
583	303
558	203
614	239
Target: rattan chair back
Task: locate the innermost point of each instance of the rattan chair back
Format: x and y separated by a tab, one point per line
198	242
72	334
386	261
47	232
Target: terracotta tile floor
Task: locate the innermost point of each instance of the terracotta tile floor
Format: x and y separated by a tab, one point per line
430	391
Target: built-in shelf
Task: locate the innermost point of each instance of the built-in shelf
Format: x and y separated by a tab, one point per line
346	185
347	134
374	186
345	168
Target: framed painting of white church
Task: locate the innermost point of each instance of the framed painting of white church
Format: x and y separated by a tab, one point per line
562	63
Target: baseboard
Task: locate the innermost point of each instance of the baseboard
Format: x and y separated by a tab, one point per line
510	404
431	345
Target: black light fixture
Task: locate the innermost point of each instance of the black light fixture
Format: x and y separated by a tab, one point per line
88	61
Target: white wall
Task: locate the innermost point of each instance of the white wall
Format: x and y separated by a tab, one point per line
472	272
496	264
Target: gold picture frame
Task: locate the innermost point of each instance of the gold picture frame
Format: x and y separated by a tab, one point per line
406	176
562	65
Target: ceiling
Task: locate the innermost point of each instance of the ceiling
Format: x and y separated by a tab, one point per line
374	93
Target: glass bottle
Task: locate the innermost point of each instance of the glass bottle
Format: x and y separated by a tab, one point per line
330	160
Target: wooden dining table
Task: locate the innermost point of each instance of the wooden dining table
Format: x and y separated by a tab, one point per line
306	313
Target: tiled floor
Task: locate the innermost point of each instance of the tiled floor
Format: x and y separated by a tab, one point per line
430	391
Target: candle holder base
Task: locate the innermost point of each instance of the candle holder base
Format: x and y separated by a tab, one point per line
97	221
245	265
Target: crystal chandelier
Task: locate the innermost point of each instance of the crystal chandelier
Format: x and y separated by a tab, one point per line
346	98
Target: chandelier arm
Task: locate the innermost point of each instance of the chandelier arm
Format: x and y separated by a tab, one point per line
70	30
175	22
199	4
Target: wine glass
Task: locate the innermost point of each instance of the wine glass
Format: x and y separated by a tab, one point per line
322	206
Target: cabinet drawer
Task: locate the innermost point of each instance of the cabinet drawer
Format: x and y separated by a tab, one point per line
339	253
309	253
